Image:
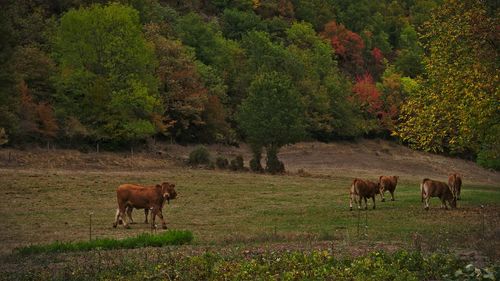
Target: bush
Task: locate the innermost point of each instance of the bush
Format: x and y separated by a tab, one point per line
489	155
488	159
3	137
221	162
273	164
199	156
255	165
237	163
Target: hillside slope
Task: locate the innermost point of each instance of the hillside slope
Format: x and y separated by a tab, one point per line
366	158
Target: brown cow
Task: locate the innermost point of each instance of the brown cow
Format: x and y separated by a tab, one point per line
430	188
455	182
363	189
141	197
387	183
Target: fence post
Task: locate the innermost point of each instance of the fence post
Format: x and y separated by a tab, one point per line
90	226
482	220
358	222
366	223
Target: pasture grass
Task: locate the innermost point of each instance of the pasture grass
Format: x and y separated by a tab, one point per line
222	207
172	237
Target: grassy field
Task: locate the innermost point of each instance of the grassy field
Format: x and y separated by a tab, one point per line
226	208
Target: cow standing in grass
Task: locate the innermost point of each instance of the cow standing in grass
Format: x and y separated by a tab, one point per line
455	182
430	188
387	183
363	189
141	197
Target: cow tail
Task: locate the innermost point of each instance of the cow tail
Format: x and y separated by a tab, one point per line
422	190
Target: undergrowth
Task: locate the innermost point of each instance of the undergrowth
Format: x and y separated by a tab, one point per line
285	265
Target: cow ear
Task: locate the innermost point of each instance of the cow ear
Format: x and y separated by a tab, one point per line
158	186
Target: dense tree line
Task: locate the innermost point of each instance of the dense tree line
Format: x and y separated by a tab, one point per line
267	72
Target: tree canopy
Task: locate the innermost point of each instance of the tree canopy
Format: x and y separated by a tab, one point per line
423	72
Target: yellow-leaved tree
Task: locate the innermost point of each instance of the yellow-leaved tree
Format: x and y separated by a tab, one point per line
455	108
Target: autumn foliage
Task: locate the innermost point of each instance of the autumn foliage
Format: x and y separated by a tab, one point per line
347	45
367	94
425	72
37	119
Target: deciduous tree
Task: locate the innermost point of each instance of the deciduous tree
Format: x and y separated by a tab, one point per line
106	79
272	116
456	105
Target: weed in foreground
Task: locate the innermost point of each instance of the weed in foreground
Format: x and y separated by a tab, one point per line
297	265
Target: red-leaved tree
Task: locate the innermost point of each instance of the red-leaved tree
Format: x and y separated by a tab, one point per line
347	45
367	94
37	119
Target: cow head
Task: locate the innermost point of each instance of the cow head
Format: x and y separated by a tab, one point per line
453	200
168	191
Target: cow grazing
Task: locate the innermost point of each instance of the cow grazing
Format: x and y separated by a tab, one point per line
363	189
455	182
430	188
387	183
141	197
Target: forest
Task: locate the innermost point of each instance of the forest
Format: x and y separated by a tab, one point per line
421	72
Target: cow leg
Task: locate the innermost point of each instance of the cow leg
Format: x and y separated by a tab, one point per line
392	196
443	204
359	202
366	203
117	218
382	196
154	212
163	223
373	198
350	201
146	211
129	214
426	203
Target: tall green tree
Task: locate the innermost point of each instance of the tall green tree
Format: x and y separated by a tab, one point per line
410	55
106	72
316	12
224	56
272	116
235	23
